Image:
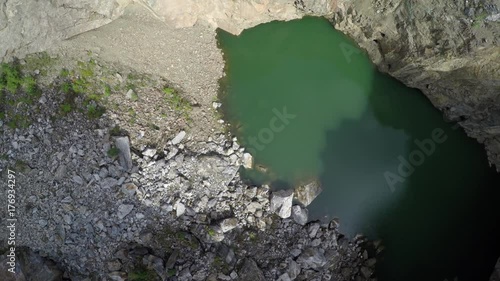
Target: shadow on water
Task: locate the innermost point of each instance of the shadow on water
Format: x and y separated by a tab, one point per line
438	222
445	222
353	128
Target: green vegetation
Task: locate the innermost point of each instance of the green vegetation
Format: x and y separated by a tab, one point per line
479	19
211	232
39	61
78	85
171	272
116	131
176	101
142	274
113	152
220	264
21	166
17	91
64	73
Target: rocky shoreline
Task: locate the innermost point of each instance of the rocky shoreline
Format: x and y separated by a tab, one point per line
173	210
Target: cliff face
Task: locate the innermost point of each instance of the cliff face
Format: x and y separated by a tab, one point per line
447	49
33	26
234	16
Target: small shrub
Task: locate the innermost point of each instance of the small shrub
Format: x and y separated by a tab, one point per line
479	19
171	272
10	77
142	274
177	102
113	152
66	108
29	85
65	87
116	131
107	91
64	73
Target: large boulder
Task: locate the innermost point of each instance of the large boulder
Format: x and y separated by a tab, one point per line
281	203
305	194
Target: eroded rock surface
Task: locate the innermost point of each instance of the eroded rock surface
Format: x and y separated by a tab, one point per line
33	26
448	50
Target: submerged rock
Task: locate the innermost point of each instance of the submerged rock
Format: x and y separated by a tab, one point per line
305	194
281	203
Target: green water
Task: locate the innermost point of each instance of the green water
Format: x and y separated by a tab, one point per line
308	104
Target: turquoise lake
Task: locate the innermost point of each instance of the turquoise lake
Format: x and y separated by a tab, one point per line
308	104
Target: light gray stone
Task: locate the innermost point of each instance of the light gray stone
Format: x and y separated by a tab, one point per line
78	179
124	210
281	203
299	214
228	224
180	136
284	277
247	161
180	209
305	194
293	270
311	258
150	152
114	265
123	144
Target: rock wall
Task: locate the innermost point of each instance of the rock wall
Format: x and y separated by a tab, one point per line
33	26
447	49
234	16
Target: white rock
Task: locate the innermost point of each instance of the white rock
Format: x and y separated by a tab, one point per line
228	224
247	160
150	152
180	136
281	203
180	209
